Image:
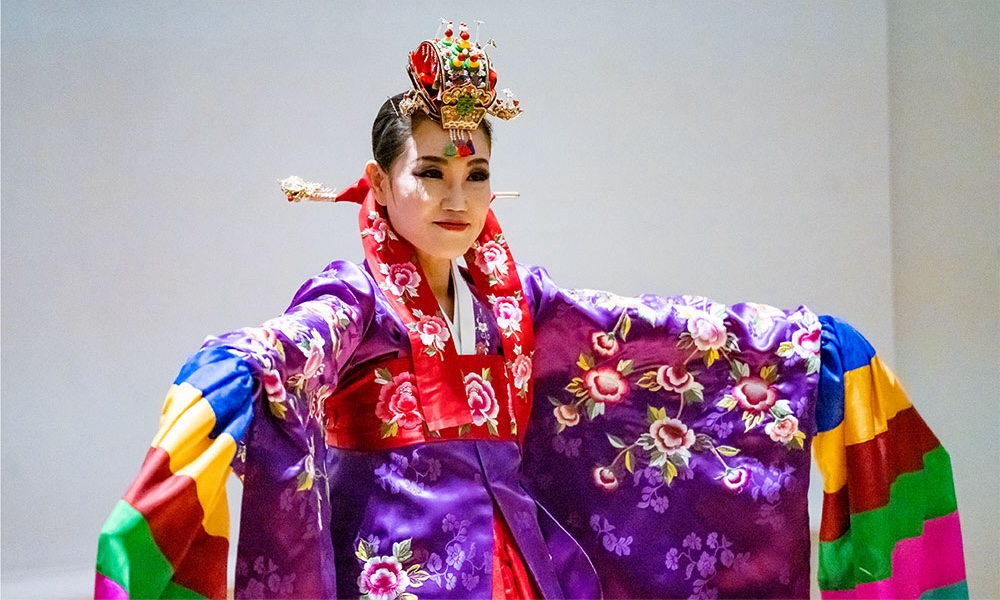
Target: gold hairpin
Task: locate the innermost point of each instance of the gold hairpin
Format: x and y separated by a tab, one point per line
296	189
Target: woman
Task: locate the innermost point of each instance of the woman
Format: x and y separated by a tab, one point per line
407	429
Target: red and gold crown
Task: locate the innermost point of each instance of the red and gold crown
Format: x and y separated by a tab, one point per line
454	83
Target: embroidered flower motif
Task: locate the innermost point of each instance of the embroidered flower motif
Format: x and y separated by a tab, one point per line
604	344
275	391
491	259
782	430
605	479
707	331
762	317
806	341
398	402
400	279
755	394
433	332
675	378
482	400
520	370
566	415
605	385
383	578
736	479
379	229
671	436
387	577
314	356
785	427
599	386
508	313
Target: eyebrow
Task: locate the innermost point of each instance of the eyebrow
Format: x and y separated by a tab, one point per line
443	161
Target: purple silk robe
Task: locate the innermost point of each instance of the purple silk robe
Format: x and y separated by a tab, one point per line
702	534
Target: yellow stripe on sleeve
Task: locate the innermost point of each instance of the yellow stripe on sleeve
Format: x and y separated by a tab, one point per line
872	396
185	426
831	458
210	471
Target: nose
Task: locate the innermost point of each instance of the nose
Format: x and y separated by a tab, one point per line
455	197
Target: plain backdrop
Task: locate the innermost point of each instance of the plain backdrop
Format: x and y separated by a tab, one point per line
842	155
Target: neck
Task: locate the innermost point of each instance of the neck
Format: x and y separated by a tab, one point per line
438	274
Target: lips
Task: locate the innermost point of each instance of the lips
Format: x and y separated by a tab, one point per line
452	225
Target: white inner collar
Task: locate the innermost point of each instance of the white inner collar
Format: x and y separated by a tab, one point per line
463	324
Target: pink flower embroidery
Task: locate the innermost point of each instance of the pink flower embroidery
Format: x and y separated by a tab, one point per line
707	331
508	314
383	578
314	362
398	403
807	341
566	415
605	385
671	436
482	399
379	229
265	335
433	332
273	386
783	430
401	278
736	479
492	259
521	371
675	378
604	344
605	479
755	395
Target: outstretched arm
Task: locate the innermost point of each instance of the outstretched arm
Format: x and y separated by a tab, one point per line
168	535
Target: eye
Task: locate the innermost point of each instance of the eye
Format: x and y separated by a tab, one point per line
479	175
430	173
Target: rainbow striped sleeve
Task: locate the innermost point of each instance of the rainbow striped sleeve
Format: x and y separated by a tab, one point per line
890	526
169	535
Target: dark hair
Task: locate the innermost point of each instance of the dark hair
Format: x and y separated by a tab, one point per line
391	128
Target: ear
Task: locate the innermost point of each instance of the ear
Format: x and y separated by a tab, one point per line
379	180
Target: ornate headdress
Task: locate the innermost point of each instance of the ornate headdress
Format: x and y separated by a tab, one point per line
455	85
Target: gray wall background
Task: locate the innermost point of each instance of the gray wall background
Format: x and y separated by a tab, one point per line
843	155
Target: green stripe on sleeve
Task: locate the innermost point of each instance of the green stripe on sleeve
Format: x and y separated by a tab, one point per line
864	553
127	554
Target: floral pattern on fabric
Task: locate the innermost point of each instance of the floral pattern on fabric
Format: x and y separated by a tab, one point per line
491	259
698	411
483	402
410	475
398	403
389	577
462	564
704	561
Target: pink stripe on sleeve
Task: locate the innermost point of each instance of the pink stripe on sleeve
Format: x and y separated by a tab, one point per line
932	560
108	589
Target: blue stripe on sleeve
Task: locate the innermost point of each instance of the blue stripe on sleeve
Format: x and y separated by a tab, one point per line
226	382
842	349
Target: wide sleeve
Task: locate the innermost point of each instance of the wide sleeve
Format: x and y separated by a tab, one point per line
890	526
169	535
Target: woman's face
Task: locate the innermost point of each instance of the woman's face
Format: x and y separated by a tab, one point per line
437	203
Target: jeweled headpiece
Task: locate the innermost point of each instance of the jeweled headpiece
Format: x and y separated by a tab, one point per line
454	83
